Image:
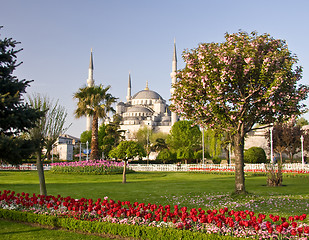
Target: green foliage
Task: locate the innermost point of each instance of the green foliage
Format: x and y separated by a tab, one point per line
185	154
124	230
286	138
50	126
216	160
127	150
166	155
88	170
110	135
16	116
94	101
15	149
159	145
86	136
213	142
233	85
46	131
255	155
184	134
302	122
13	230
198	155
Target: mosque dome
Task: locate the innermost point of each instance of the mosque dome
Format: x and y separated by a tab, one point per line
139	109
147	94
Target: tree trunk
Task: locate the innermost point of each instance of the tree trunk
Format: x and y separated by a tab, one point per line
239	164
94	155
40	169
124	177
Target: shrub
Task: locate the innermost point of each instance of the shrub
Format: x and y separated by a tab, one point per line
166	155
199	154
216	160
255	155
185	154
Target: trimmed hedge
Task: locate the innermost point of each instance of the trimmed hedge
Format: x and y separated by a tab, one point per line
255	155
136	231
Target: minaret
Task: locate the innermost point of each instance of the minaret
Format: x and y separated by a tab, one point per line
90	83
174	117
129	97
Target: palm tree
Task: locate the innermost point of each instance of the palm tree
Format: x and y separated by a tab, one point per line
96	102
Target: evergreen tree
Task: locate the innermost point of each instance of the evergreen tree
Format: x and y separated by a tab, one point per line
16	117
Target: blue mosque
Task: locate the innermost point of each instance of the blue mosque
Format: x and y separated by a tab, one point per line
146	108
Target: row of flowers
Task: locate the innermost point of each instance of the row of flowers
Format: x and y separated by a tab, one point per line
223	221
90	167
213	169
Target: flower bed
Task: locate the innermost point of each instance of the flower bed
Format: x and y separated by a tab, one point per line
100	167
223	221
232	170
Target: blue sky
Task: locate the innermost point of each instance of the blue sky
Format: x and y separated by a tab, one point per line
135	36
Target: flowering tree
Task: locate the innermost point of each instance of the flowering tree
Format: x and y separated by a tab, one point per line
233	85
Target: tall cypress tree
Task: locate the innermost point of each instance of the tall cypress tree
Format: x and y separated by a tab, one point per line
16	116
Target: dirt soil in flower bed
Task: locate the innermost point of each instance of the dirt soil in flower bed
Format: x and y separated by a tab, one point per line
108	236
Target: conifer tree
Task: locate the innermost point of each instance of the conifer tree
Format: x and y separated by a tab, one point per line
16	117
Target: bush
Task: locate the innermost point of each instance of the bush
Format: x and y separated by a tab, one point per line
185	154
199	154
124	230
216	160
255	155
166	155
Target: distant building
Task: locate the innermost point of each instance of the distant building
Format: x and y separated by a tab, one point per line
64	147
145	108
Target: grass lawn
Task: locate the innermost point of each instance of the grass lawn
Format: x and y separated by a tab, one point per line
18	231
186	189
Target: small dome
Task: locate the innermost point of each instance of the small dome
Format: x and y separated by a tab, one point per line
147	94
139	109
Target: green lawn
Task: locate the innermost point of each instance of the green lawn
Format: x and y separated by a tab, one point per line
189	189
17	231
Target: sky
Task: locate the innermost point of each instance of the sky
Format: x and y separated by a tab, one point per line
135	36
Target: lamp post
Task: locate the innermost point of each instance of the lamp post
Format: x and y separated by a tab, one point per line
87	150
271	146
302	151
80	151
229	153
148	144
52	153
203	145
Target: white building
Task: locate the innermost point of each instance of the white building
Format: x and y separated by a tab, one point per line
145	108
65	148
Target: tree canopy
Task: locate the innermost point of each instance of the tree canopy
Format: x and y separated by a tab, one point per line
16	116
184	135
246	79
47	130
127	150
94	101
